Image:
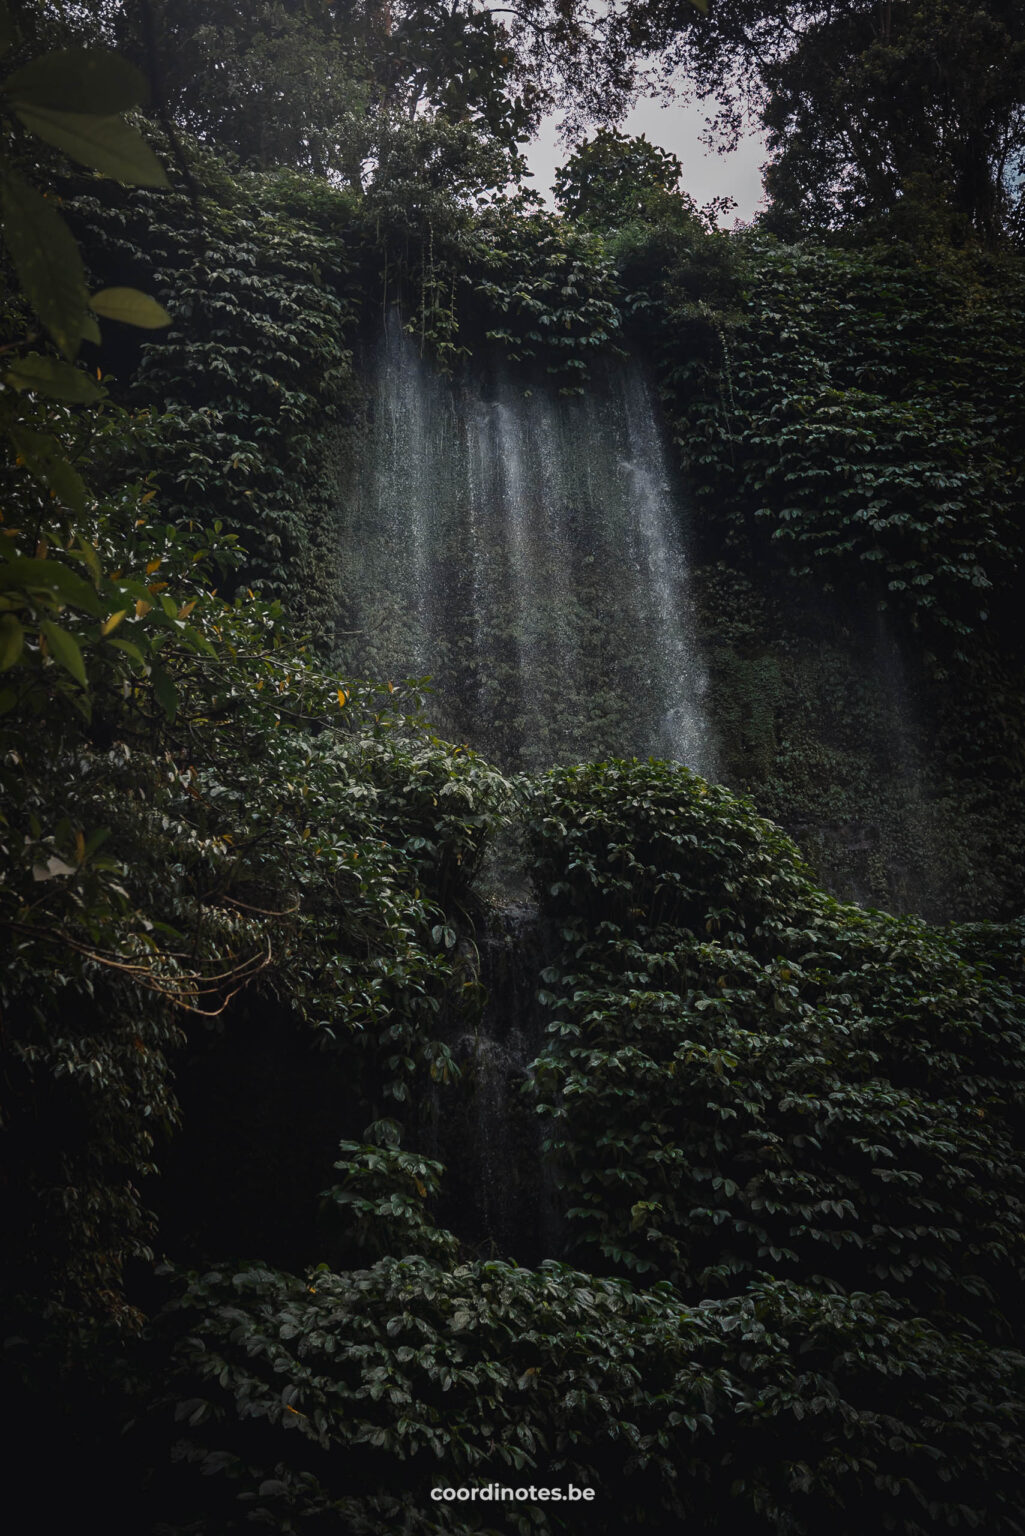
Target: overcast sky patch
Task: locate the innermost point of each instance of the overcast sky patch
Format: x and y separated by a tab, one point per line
678	128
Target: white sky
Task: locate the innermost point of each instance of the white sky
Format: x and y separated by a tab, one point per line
678	128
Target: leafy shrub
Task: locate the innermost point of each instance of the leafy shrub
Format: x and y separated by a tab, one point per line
254	380
746	1079
861	411
347	1397
805	1114
193	807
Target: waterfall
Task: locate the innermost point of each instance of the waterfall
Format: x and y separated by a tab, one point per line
524	551
500	1193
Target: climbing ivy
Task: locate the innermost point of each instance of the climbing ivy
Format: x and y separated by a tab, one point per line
796	1123
857	413
193	808
254	380
547	293
747	1079
778	1410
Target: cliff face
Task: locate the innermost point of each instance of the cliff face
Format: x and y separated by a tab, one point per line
582	1134
768	1223
795	569
849	426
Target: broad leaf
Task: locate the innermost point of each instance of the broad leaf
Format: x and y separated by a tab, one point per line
46	260
78	80
45	462
109	625
105	144
130	307
65	649
57	380
91	559
50	581
130	649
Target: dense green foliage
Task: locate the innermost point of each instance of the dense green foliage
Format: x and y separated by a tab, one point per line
753	1094
888	113
774	1082
745	1081
692	1137
850	421
255	367
365	1390
865	414
875	112
613	179
782	1135
213	813
908	115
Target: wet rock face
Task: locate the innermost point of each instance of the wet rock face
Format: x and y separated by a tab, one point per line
498	1193
528	553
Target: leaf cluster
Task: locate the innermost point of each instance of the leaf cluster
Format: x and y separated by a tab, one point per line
745	1079
193	808
776	1410
256	369
857	416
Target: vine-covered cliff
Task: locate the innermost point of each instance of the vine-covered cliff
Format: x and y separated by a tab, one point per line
551	1126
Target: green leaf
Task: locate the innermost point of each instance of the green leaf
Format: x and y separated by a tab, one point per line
91	558
57	380
130	307
46	260
65	649
165	691
78	80
129	649
91	331
105	144
46	463
50	581
96	840
12	638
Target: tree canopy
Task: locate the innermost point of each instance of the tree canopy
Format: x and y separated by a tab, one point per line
874	109
868	103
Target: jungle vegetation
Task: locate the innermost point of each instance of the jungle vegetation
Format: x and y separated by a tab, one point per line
242	917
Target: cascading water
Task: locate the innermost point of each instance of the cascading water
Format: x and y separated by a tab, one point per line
524	551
